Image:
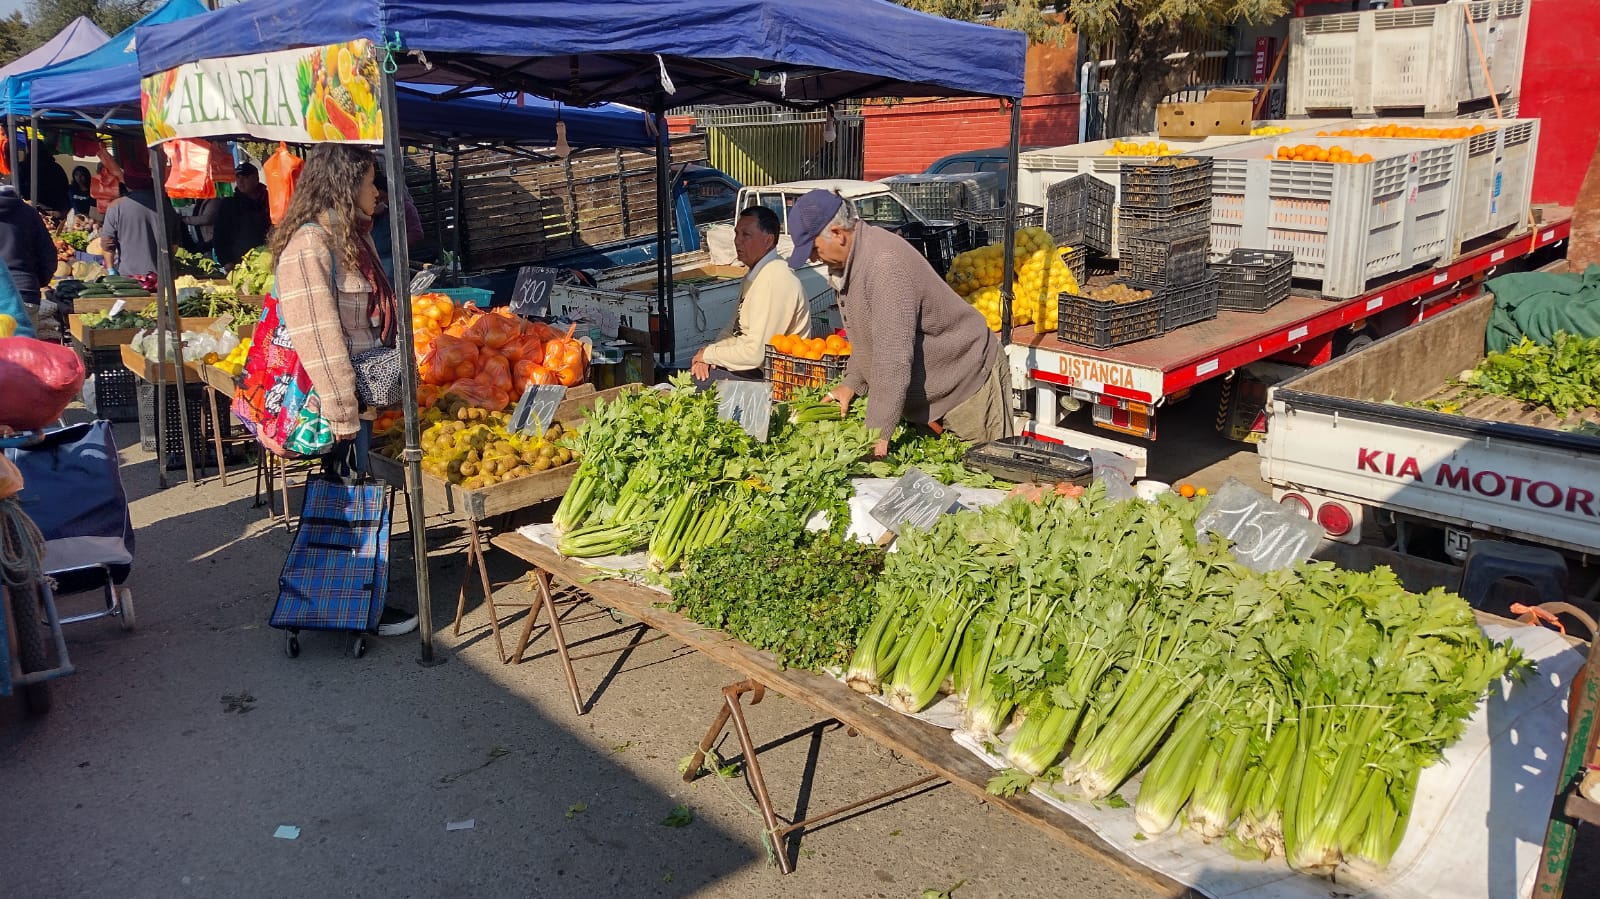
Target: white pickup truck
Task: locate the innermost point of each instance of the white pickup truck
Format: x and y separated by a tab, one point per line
1354	436
705	291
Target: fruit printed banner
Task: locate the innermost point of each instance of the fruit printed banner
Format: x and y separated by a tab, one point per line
305	95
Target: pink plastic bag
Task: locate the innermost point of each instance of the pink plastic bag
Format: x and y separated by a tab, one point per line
37	381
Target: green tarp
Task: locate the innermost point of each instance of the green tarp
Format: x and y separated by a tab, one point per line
1538	304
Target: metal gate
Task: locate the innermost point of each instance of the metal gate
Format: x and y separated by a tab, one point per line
763	144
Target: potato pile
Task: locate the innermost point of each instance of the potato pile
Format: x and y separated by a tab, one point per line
470	446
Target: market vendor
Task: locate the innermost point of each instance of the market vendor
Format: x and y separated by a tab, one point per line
771	302
918	351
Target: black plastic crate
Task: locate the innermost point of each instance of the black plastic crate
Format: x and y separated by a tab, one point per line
1024	459
1166	182
1189	303
936	243
1102	324
200	430
1191	219
1077	260
115	386
937	197
1253	280
1162	257
1078	213
989	225
787	373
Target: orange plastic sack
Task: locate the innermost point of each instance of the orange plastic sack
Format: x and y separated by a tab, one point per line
221	166
449	359
5	157
279	173
189	169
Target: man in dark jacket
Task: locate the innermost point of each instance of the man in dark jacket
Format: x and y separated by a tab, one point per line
25	246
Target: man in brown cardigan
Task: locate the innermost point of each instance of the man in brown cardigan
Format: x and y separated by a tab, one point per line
918	351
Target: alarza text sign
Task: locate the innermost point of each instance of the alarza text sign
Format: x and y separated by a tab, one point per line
1265	535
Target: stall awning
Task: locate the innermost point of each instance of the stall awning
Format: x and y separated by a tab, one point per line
16	92
79	37
703	51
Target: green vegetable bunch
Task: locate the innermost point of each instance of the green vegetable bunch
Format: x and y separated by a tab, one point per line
802	595
78	240
196	264
1563	375
252	276
125	320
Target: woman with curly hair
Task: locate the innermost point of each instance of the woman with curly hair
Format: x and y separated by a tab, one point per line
334	298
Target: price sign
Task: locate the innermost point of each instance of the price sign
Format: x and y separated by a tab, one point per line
537	409
915	500
748	404
531	295
1265	535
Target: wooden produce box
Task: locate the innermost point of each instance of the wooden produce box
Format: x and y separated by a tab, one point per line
103	304
93	337
217	379
508	496
148	370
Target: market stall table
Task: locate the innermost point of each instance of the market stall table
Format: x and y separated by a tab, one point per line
923	743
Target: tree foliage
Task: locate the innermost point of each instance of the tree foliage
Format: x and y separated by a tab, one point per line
1139	34
14	38
46	18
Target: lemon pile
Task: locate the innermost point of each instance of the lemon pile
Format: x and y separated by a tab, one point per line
233	363
1041	276
1260	130
1134	148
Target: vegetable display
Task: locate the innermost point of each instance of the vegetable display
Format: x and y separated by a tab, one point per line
252	276
1286	712
128	321
661	471
470	446
1563	375
802	595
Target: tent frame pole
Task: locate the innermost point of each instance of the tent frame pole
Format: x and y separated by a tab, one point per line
1009	265
664	227
411	457
167	321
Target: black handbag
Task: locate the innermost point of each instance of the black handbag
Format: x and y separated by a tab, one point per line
378	373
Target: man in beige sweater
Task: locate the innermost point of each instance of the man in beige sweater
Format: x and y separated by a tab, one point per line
771	302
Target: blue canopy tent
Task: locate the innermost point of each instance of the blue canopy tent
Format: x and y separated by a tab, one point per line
648	53
16	90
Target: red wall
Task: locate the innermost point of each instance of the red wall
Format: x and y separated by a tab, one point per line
905	137
1561	87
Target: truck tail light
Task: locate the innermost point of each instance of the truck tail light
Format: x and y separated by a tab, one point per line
1297	504
1335	519
1259	426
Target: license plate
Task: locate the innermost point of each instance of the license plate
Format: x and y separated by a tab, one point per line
1456	543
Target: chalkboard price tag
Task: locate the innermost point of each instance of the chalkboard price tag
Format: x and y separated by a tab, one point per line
915	500
531	295
537	409
748	404
1265	535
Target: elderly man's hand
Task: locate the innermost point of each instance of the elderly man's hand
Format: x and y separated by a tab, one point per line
841	395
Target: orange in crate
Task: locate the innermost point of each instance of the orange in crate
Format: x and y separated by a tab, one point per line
794	361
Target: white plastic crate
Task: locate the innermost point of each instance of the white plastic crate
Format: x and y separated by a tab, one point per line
1038	170
1345	223
1496	185
1412	57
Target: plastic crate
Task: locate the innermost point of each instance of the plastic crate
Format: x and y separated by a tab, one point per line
1345	223
1496	189
1186	304
1024	459
1172	181
1078	213
462	296
1159	257
1420	57
1253	280
115	387
1192	219
200	430
788	373
936	243
989	226
937	197
1077	260
1103	324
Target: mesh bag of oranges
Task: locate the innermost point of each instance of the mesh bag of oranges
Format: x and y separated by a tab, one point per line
1041	277
794	361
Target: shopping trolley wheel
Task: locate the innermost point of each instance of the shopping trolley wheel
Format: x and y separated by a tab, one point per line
36	699
125	604
358	646
292	647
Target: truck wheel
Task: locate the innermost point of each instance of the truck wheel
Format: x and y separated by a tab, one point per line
1353	343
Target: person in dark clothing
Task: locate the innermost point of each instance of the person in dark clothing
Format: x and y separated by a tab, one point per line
25	245
79	197
51	191
242	220
131	226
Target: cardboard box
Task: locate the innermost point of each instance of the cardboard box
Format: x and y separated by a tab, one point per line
1224	111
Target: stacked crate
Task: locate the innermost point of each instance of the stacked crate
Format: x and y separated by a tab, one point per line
1166	235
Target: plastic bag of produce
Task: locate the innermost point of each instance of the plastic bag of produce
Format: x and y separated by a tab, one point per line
39	380
281	170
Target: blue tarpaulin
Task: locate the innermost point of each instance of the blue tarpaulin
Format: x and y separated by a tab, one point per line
799	52
17	90
79	37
